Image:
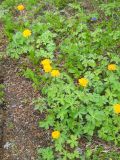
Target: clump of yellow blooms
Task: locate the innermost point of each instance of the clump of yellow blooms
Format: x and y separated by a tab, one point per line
46	63
112	67
27	33
20	7
83	82
55	134
116	108
55	73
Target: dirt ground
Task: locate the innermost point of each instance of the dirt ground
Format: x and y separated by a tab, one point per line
20	134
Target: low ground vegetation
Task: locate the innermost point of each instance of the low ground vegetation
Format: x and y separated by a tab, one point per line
73	56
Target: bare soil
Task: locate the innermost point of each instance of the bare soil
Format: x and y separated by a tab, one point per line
20	134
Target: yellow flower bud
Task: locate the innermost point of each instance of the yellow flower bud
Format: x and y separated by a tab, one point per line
20	7
55	73
112	67
116	108
55	134
83	82
26	33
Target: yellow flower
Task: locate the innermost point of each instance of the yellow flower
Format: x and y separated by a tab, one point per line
47	68
112	67
45	62
83	82
55	134
27	33
55	73
116	108
20	7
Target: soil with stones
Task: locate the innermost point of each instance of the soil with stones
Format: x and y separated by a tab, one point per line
2	111
21	135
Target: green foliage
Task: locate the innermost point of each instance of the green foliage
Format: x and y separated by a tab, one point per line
31	75
58	3
19	45
1	94
65	33
99	153
110	8
46	153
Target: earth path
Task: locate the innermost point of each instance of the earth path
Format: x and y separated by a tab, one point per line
21	134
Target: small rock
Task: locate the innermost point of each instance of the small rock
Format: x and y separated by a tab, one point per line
79	150
7	145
